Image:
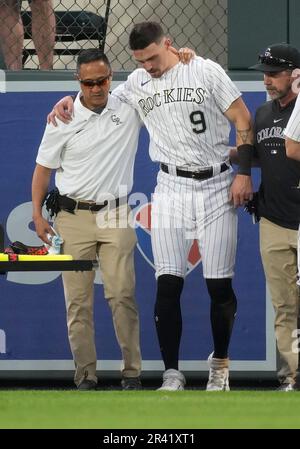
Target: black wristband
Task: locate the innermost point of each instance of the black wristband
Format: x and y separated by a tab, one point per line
245	154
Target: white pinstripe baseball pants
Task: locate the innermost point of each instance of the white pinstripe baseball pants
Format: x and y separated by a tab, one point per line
185	209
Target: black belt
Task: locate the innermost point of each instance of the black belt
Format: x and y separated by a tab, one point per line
69	205
204	174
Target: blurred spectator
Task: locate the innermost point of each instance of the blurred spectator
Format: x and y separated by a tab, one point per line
12	32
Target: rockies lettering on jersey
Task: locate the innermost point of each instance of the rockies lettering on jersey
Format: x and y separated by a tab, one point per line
184	94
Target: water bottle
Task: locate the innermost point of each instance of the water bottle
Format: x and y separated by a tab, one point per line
56	242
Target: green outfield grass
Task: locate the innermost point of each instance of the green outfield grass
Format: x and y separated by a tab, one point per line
27	409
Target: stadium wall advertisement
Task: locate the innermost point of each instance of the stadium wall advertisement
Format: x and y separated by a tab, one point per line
33	334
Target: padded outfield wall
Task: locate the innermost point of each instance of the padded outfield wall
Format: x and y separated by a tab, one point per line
33	334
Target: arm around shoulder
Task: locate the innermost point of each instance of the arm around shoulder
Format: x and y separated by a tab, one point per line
63	110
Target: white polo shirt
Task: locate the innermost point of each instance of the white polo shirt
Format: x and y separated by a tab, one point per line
94	154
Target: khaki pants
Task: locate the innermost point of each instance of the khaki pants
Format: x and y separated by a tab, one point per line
278	247
87	235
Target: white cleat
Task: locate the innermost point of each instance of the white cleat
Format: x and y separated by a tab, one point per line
218	374
285	387
173	380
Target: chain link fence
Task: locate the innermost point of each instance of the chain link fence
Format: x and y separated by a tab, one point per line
50	33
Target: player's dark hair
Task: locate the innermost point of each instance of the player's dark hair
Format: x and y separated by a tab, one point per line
91	55
144	34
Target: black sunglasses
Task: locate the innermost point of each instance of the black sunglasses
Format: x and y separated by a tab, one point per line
271	60
92	83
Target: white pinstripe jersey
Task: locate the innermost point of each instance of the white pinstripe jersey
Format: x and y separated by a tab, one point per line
292	129
183	112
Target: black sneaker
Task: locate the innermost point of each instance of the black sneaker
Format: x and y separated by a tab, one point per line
131	383
86	385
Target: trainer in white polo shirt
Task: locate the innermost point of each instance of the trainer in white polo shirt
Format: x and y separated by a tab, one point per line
93	158
94	154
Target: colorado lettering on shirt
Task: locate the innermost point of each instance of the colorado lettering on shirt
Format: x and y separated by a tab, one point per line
167	96
268	133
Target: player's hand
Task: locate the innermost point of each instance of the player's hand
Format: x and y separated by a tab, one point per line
63	110
241	190
42	228
185	54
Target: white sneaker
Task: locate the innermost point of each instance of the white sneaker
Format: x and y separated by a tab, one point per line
285	387
218	374
173	380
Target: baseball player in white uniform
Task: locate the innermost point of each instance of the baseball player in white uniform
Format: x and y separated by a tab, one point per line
292	132
186	111
292	145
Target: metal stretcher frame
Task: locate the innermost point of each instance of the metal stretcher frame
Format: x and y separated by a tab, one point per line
51	265
47	265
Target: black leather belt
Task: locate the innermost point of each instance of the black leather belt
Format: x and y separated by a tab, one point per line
204	174
70	205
